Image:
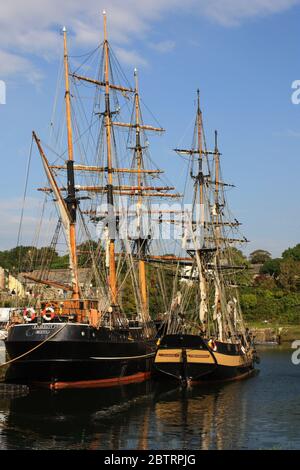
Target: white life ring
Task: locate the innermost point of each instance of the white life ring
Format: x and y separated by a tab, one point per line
48	313
29	314
212	344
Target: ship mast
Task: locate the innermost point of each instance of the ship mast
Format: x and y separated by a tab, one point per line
217	222
71	197
141	243
217	182
110	189
200	180
112	277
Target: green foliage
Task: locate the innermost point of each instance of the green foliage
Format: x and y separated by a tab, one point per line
26	258
277	290
271	267
259	256
292	253
29	258
237	257
274	295
266	282
289	277
248	301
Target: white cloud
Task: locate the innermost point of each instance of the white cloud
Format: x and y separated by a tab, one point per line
12	64
288	133
31	29
163	46
232	12
130	57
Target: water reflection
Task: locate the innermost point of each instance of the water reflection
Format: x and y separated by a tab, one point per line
141	416
261	412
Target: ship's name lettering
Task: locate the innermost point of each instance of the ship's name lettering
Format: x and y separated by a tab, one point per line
43	329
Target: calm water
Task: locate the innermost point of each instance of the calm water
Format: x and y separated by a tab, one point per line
262	412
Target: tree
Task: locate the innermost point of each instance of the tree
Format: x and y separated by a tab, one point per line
259	256
248	301
293	253
236	257
289	277
271	267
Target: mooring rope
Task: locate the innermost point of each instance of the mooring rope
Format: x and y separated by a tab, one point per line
35	347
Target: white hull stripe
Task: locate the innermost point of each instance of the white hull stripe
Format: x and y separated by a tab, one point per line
122	357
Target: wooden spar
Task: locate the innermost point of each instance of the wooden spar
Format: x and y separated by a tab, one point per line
134	193
101	169
194	222
141	243
192	151
52	181
132	212
48	282
137	188
112	275
168	258
63	208
229	240
140	126
73	253
221	183
96	82
116	191
99	189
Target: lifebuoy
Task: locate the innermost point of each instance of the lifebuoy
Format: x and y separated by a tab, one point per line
29	314
212	345
48	313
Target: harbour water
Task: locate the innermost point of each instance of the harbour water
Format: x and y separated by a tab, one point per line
262	412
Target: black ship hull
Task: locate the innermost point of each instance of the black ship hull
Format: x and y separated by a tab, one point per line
189	358
74	355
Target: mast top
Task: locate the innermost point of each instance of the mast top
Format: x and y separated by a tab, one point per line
105	27
216	141
135	73
64	29
198	100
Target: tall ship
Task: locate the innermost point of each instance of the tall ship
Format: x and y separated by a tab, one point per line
205	338
98	332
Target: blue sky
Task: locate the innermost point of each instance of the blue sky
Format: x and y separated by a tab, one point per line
242	55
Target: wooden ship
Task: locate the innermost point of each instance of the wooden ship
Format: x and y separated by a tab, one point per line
205	338
81	341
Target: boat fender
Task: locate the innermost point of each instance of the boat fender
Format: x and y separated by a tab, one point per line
48	313
212	345
29	314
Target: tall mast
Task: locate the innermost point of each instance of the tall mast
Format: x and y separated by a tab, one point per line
71	197
217	181
200	158
141	243
200	180
112	277
111	189
216	220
